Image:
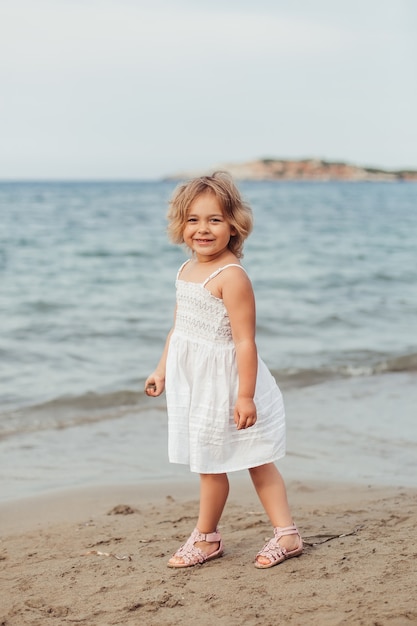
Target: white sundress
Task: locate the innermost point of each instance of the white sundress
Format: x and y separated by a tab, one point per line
201	390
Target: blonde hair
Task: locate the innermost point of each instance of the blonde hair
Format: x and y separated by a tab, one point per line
237	212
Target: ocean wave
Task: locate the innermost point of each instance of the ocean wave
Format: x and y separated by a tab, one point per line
45	306
68	411
404	363
299	377
111	253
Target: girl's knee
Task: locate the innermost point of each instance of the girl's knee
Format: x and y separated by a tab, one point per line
262	472
257	473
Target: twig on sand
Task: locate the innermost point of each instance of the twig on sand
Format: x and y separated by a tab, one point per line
325	537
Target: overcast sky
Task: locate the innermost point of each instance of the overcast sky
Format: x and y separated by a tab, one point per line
140	89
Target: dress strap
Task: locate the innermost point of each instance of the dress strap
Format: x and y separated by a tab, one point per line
182	267
220	269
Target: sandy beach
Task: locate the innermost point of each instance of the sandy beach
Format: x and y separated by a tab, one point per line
98	556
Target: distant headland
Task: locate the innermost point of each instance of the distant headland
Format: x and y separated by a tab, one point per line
303	169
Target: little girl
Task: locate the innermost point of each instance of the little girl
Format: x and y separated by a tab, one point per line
225	411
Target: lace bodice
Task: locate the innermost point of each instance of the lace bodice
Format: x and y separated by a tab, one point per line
200	315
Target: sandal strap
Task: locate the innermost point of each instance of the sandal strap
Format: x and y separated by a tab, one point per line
272	550
285	530
209	537
190	553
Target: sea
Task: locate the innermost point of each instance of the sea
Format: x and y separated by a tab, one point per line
87	296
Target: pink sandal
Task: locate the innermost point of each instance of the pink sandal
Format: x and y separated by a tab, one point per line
276	553
191	555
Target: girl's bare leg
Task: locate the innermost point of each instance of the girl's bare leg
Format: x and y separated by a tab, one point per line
214	489
272	493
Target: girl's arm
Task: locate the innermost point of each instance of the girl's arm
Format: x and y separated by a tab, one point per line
238	297
155	383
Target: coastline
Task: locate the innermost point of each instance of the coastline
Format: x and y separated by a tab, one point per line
359	431
98	556
308	169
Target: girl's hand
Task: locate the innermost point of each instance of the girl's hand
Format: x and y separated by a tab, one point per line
245	413
154	385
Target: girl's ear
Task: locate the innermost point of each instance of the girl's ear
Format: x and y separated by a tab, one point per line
233	231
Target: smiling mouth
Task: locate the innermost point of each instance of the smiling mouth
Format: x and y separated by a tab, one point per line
203	240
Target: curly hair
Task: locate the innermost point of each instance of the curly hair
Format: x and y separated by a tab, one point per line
237	212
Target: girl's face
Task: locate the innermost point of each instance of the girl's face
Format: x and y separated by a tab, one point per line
207	232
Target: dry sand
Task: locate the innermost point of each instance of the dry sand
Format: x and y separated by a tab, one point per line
58	559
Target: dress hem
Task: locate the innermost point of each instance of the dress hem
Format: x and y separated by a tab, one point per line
234	469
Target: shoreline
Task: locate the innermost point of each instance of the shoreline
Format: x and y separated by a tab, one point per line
360	431
97	556
73	504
